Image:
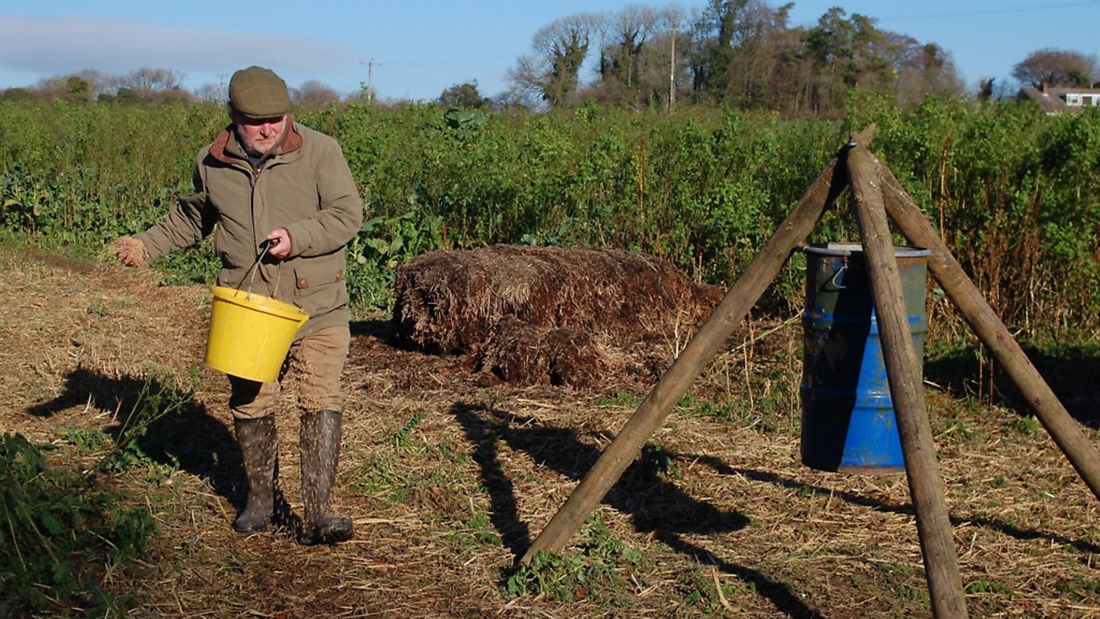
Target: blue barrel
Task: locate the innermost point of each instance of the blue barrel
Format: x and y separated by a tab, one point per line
848	422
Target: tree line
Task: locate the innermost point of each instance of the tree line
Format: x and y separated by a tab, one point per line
741	54
745	55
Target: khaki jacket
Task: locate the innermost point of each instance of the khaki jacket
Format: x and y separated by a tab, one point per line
303	185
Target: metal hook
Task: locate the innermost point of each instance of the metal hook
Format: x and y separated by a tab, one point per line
837	275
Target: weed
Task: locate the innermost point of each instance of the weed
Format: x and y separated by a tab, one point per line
58	536
958	429
599	565
551	575
377	475
402	438
477	530
447	450
99	308
694	597
197	264
708	595
814	492
909	592
656	462
158	398
383	243
87	440
1025	424
1079	588
988	586
620	398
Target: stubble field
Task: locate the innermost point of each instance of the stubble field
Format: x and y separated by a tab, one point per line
449	477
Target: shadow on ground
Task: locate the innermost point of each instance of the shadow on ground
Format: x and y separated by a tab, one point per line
154	419
382	329
804	489
656	505
1070	372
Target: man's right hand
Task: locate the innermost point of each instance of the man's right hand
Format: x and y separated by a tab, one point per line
129	251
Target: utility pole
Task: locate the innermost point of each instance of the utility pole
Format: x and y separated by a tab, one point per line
370	71
672	72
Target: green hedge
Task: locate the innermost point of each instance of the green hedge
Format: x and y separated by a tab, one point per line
1015	193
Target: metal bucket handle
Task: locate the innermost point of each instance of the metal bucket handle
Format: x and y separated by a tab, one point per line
265	245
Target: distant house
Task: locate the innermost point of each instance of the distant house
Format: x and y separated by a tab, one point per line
1055	100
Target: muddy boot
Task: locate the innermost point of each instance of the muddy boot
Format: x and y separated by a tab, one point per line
258	447
320	447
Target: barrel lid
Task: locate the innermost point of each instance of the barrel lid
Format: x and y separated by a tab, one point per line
849	249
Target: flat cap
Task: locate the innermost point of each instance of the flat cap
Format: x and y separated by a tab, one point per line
257	93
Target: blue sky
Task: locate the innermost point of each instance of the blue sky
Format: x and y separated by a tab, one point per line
415	49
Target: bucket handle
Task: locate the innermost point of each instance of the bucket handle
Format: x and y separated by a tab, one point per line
264	246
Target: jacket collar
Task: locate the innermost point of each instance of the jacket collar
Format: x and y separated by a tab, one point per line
227	149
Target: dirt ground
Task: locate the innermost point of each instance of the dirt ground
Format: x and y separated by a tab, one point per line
449	479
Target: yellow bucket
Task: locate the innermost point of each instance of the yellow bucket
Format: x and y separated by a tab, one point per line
250	334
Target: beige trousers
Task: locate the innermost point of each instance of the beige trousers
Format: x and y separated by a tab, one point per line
313	365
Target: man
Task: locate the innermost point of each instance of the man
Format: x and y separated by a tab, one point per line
267	179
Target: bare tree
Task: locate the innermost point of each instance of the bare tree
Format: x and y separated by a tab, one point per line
759	41
80	87
150	83
627	34
1056	68
517	98
527	83
210	93
921	70
314	95
712	34
560	50
636	54
53	87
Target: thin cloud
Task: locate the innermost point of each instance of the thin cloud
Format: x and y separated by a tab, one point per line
116	45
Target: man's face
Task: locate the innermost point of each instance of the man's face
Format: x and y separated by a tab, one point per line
260	136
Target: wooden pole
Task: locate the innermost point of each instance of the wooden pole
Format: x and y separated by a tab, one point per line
714	332
925	484
992	332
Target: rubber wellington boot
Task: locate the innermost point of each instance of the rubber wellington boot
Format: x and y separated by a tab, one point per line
258	447
320	447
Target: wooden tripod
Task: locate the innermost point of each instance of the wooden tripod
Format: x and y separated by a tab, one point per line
875	192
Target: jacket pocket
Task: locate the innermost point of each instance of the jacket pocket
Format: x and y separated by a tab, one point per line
320	288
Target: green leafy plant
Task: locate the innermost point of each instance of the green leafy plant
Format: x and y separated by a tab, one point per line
466	122
88	440
402	438
1079	588
160	396
656	463
477	530
988	586
382	244
620	398
600	564
58	535
1010	190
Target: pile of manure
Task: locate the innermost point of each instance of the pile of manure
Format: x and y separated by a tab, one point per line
546	315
